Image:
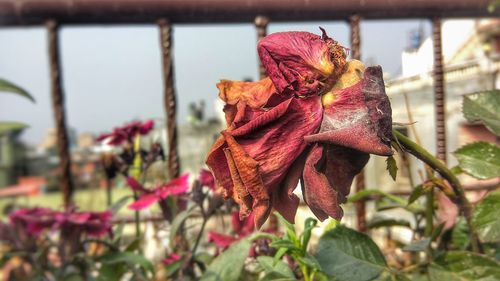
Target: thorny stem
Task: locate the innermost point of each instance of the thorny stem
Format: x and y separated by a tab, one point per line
459	195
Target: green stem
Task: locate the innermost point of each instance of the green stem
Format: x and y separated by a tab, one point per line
202	229
429	212
459	194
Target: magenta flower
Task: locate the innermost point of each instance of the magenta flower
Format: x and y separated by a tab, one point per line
148	197
319	120
241	229
173	257
94	224
207	179
33	220
127	132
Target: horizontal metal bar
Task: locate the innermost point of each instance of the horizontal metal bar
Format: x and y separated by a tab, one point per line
35	12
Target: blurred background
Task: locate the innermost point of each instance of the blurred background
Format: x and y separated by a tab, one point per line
112	74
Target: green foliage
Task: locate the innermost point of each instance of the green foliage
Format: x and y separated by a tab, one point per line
460	234
6	86
379	221
228	265
480	159
483	106
296	246
486	218
463	266
418	246
416	193
392	167
7	126
275	269
178	221
345	254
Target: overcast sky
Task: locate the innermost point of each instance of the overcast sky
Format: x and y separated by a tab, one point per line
113	74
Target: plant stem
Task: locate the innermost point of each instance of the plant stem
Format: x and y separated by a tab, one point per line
429	212
459	195
202	229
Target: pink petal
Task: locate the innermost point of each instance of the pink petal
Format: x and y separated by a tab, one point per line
173	257
176	186
221	240
144	201
146	127
207	179
135	185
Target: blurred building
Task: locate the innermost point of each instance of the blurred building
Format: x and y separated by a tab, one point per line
471	50
12	157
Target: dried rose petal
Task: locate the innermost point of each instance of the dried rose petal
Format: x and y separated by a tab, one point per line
359	117
328	176
253	156
301	63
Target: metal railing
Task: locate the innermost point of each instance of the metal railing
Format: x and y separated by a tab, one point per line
54	13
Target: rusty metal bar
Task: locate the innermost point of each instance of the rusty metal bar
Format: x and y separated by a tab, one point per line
439	91
261	23
354	23
59	112
33	12
169	96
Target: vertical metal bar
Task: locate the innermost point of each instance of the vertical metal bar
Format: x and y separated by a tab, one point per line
354	22
59	112
169	96
439	91
261	23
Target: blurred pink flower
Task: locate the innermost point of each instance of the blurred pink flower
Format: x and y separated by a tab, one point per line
173	257
207	179
33	220
127	132
241	229
148	197
94	224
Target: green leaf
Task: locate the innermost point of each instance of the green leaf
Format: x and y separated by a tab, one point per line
271	266
177	222
128	258
484	107
416	193
309	224
119	204
486	218
372	192
228	265
460	234
392	167
463	266
346	254
417	246
6	86
377	222
8	126
480	159
457	170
